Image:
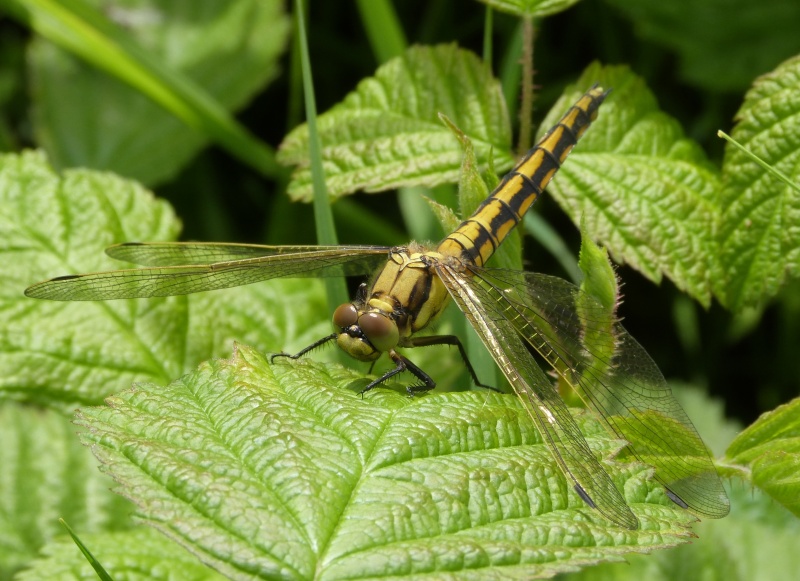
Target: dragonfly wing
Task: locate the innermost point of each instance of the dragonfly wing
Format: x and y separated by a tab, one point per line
192	278
491	316
203	253
615	376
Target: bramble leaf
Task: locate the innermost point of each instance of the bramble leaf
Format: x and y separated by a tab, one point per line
386	133
285	470
768	451
63	354
643	190
759	233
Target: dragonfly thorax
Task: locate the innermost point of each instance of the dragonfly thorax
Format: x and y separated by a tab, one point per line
405	297
364	334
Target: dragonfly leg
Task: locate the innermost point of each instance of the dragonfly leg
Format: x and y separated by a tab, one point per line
452	340
403	364
302	352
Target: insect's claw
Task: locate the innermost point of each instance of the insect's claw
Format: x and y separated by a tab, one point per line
418	389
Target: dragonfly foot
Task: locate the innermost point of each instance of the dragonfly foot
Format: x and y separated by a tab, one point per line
418	389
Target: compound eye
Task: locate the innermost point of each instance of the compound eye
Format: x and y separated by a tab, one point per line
345	315
380	330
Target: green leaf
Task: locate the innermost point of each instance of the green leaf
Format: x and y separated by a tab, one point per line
47	474
643	190
769	453
229	49
285	470
600	281
139	554
63	354
759	233
709	36
600	287
756	542
444	214
386	134
530	8
472	192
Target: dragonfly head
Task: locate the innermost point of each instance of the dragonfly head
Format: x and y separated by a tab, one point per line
364	335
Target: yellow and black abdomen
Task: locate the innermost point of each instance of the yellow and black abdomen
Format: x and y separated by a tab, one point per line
476	239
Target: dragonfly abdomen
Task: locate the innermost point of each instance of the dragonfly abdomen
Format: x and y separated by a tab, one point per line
476	239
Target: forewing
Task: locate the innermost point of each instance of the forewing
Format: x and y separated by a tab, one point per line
206	253
616	377
493	318
281	261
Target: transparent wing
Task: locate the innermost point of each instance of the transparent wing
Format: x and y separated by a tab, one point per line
614	375
495	320
184	268
205	253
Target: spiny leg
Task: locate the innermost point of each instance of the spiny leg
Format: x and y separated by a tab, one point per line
403	364
452	340
302	352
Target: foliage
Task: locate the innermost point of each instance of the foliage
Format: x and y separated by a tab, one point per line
770	451
383	135
296	475
254	470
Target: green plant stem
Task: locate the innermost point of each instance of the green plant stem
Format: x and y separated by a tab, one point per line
509	73
323	217
294	111
383	29
488	23
526	101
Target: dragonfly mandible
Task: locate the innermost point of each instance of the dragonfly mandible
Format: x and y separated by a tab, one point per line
513	313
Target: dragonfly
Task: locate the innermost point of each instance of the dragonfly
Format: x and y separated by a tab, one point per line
515	314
